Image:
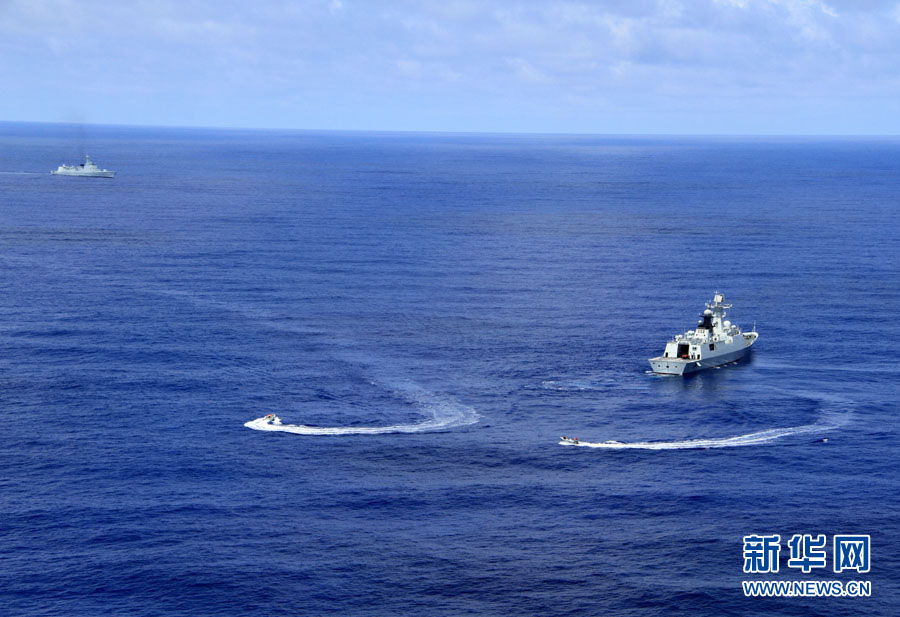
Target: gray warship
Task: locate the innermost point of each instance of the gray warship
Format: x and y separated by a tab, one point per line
714	342
88	169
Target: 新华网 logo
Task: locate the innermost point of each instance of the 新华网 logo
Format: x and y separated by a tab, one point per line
851	553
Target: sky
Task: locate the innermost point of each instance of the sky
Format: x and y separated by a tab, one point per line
731	67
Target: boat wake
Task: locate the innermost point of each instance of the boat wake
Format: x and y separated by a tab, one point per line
442	413
586	384
572	385
758	438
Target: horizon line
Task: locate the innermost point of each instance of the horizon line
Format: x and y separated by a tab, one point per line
450	132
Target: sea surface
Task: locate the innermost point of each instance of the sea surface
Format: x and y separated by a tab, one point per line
427	314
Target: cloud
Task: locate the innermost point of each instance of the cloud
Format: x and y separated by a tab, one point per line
383	57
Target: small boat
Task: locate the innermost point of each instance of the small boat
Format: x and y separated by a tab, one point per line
88	169
714	342
570	440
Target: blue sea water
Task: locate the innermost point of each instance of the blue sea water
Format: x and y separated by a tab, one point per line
446	306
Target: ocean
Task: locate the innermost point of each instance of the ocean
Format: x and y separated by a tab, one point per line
427	314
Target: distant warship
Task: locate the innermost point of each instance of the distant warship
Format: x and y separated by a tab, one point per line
86	170
714	342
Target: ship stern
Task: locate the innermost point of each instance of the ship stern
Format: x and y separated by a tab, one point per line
672	366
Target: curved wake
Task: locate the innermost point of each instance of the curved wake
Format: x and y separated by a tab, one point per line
445	413
750	439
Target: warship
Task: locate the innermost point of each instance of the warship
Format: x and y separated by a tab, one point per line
88	169
714	342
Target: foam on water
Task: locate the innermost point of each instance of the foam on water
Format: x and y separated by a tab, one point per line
586	384
444	413
570	385
750	439
829	420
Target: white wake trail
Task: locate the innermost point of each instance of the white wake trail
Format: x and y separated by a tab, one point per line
444	413
758	438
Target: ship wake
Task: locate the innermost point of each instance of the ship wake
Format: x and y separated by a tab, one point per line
440	413
827	422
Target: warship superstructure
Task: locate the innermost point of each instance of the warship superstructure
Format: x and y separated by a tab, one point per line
714	342
88	169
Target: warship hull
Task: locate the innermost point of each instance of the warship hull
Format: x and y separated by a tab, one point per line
676	366
84	174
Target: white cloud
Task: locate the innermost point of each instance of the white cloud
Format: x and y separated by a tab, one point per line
526	72
433	52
